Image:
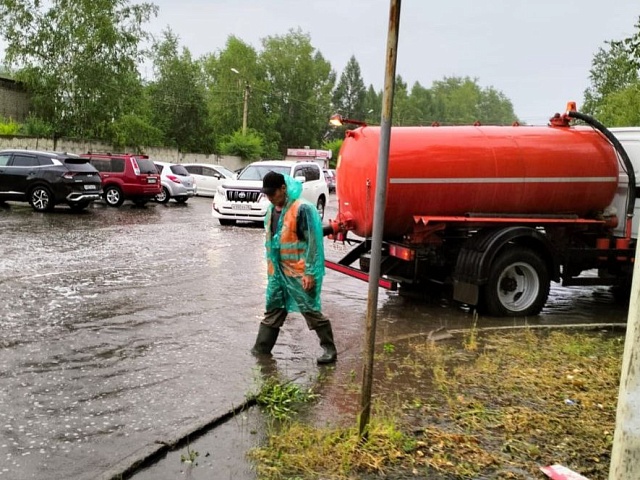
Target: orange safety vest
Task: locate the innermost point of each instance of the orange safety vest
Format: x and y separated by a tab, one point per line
291	249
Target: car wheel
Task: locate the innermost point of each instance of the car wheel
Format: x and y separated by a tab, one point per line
225	222
320	207
79	206
113	196
163	196
518	284
181	199
40	199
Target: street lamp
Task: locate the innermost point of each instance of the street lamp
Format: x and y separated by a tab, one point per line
338	120
245	107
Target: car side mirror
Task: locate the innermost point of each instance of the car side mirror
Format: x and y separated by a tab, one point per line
300	178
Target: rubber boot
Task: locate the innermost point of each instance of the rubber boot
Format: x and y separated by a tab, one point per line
325	334
267	337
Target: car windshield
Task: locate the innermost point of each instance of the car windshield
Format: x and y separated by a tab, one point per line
225	171
257	172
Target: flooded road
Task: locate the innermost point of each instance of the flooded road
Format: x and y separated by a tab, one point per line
123	327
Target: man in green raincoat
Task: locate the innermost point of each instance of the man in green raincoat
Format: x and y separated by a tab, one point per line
295	265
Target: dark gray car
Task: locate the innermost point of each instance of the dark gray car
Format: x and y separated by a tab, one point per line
46	179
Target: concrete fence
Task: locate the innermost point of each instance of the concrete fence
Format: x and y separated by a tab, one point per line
84	146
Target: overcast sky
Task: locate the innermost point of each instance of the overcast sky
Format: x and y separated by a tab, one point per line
538	53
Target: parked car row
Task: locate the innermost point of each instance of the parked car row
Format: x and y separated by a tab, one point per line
47	179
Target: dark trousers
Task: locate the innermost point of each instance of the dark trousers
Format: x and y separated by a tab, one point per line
275	318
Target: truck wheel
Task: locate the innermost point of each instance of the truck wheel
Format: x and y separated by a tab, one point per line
113	196
518	284
40	199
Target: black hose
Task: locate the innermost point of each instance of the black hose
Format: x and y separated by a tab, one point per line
621	151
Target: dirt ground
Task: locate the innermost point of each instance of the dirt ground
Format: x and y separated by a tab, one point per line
478	405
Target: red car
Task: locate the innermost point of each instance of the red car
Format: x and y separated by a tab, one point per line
126	176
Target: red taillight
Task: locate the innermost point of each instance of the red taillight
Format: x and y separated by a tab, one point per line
173	178
136	168
403	253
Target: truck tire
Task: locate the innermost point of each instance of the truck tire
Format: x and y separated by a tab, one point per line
518	284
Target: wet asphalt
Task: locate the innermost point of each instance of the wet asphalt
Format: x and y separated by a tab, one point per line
124	329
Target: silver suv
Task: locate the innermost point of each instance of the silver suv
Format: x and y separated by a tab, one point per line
240	199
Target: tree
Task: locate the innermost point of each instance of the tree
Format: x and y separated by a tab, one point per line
248	147
373	106
461	101
227	74
621	108
300	82
177	97
78	59
349	95
614	71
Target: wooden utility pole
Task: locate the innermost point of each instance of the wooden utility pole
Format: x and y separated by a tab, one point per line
378	216
625	455
245	108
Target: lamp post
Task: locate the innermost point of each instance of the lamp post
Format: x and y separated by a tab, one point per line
245	106
338	120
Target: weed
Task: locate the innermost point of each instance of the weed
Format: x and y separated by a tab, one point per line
190	456
471	337
281	400
388	348
494	407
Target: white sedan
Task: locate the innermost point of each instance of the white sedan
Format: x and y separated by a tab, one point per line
208	177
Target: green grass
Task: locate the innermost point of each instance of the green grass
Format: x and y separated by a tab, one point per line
486	405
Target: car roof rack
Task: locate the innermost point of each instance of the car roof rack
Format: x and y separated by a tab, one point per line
138	155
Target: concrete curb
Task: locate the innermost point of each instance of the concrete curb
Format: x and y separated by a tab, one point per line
149	454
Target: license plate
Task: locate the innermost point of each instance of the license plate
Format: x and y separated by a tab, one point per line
89	187
242	207
151	180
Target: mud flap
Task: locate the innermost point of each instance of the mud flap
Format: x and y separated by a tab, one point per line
464	292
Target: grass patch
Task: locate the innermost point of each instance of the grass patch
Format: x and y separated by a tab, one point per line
491	405
281	400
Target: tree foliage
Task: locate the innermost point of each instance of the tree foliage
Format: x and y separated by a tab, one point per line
226	74
177	97
349	95
612	95
77	58
79	61
247	147
300	83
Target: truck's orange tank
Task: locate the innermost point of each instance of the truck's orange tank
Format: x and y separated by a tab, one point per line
519	170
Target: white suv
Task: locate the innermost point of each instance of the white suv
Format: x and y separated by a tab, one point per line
240	199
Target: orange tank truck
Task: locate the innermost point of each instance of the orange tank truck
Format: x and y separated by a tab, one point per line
493	212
